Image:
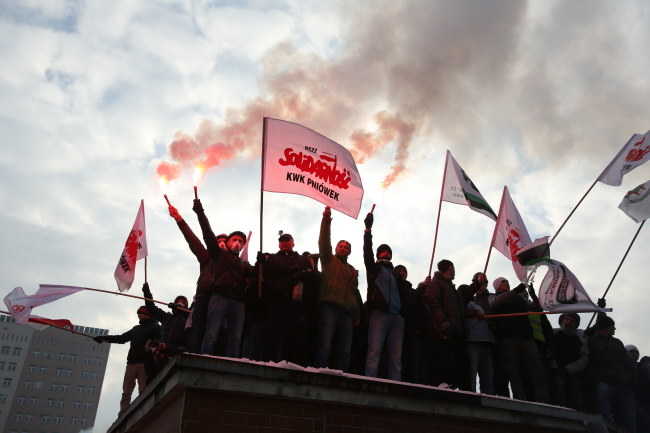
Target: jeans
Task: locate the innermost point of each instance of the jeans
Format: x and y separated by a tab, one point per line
480	361
389	328
616	403
517	352
220	308
334	324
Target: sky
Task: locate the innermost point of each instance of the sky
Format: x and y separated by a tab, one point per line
99	98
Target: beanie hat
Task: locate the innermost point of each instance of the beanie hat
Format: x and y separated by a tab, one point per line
496	283
178	298
631	347
574	315
144	310
222	236
604	322
384	247
237	233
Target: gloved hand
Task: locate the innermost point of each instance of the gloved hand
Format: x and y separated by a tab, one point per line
99	339
173	306
327	214
197	207
521	288
369	220
146	291
601	303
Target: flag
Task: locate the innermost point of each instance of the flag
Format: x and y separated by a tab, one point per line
244	251
20	305
635	152
135	249
636	203
300	161
561	291
458	188
40	323
510	233
534	253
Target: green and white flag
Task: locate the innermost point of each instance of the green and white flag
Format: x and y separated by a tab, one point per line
458	188
561	291
636	203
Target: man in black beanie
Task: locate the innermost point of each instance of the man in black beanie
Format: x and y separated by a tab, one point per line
611	372
383	300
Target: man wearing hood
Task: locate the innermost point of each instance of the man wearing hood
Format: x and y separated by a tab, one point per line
229	274
569	364
339	310
449	327
383	301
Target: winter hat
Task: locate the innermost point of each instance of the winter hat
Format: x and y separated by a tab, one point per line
178	298
574	315
498	282
222	236
631	348
285	237
604	322
144	310
384	247
237	233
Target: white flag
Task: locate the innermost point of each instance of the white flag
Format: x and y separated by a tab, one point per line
300	161
635	152
458	188
636	203
561	291
135	249
20	305
510	233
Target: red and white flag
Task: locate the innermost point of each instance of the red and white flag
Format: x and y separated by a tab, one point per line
135	249
636	203
20	305
635	152
561	291
458	188
510	233
40	323
300	161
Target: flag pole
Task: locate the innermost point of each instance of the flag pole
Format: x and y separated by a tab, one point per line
262	172
618	268
496	227
133	296
574	209
435	237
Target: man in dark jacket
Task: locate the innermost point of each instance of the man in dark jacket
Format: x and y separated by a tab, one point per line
283	279
227	289
172	325
147	329
383	301
449	327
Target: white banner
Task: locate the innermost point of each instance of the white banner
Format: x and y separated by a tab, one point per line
510	233
300	161
135	249
561	291
636	203
20	305
635	152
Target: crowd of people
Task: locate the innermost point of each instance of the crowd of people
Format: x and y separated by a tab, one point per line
307	309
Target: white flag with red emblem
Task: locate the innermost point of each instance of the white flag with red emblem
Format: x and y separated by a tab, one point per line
20	305
300	161
635	152
561	291
510	233
134	250
636	203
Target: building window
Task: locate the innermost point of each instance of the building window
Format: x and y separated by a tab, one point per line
61	356
85	374
88	406
35	354
2	365
17	351
88	360
95	375
73	421
12	366
65	388
29	418
6	382
91	390
77	405
81	389
68	373
98	361
5	350
27	384
46	419
54	387
18	417
57	420
3	398
42	370
84	421
31	368
33	402
60	403
21	401
50	402
73	357
59	371
38	385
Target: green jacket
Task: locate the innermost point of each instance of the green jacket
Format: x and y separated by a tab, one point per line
339	281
